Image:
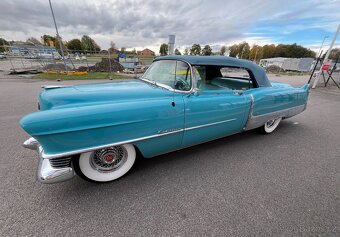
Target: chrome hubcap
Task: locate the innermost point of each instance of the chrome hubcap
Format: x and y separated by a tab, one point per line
270	123
108	159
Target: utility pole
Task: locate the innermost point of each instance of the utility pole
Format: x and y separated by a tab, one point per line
323	41
58	37
257	49
326	57
242	52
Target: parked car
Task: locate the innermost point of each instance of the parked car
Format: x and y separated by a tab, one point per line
2	56
96	130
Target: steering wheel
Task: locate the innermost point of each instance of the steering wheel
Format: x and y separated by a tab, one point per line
181	84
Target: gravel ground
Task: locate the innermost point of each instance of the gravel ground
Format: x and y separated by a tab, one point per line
283	184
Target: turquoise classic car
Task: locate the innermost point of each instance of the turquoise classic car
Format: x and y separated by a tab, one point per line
96	130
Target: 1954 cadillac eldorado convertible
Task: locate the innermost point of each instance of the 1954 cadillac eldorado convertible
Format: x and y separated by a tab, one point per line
96	130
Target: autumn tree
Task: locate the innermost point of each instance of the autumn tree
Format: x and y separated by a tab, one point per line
163	49
207	51
255	53
57	45
48	40
243	50
233	50
195	49
334	54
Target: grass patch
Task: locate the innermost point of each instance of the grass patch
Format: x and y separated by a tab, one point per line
89	76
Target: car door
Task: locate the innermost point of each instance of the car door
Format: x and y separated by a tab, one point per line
213	114
166	114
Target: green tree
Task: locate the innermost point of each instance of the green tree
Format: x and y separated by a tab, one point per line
122	49
177	52
281	50
163	49
74	45
33	40
195	49
112	45
186	51
223	50
206	51
268	51
87	43
3	44
233	50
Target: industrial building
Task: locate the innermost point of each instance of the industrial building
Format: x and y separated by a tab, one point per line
288	64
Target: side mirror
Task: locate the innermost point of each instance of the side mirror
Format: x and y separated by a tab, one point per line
196	92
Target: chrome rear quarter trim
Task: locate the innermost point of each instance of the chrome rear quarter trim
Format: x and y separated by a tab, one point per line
258	121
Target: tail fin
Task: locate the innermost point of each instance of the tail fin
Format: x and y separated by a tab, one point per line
305	87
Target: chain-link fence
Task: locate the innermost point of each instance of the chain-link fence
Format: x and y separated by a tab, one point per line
35	59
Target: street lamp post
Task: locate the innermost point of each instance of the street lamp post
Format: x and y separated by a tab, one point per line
325	60
323	41
58	37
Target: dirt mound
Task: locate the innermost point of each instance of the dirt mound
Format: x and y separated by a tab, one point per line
273	69
104	66
56	67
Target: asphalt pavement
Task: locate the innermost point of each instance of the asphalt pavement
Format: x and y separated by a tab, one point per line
282	184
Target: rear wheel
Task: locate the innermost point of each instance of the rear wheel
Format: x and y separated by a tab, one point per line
270	126
105	165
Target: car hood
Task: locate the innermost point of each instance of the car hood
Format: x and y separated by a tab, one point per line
91	94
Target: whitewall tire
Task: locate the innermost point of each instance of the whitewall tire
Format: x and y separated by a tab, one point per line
270	126
106	164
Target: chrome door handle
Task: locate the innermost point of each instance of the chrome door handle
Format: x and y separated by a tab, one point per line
238	92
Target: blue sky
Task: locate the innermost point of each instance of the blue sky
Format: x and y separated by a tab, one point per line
147	23
305	23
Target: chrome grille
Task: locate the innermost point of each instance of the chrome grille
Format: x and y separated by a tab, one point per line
61	162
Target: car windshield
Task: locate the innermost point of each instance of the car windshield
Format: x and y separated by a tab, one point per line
170	74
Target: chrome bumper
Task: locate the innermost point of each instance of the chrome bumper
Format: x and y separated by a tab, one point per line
46	173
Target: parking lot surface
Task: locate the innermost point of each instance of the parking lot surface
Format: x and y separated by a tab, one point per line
282	184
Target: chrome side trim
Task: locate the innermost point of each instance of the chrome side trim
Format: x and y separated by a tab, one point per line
258	121
52	86
209	124
53	156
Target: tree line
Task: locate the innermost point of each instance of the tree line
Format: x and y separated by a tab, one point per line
195	50
255	52
84	43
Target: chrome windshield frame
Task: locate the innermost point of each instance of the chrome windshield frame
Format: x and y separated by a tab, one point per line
193	78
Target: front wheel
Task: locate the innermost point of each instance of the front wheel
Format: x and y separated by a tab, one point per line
270	126
105	165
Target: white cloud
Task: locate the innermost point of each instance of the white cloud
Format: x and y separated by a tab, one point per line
147	23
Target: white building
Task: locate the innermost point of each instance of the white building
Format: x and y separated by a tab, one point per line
289	64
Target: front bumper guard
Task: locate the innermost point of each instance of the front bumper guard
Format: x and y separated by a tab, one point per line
46	173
